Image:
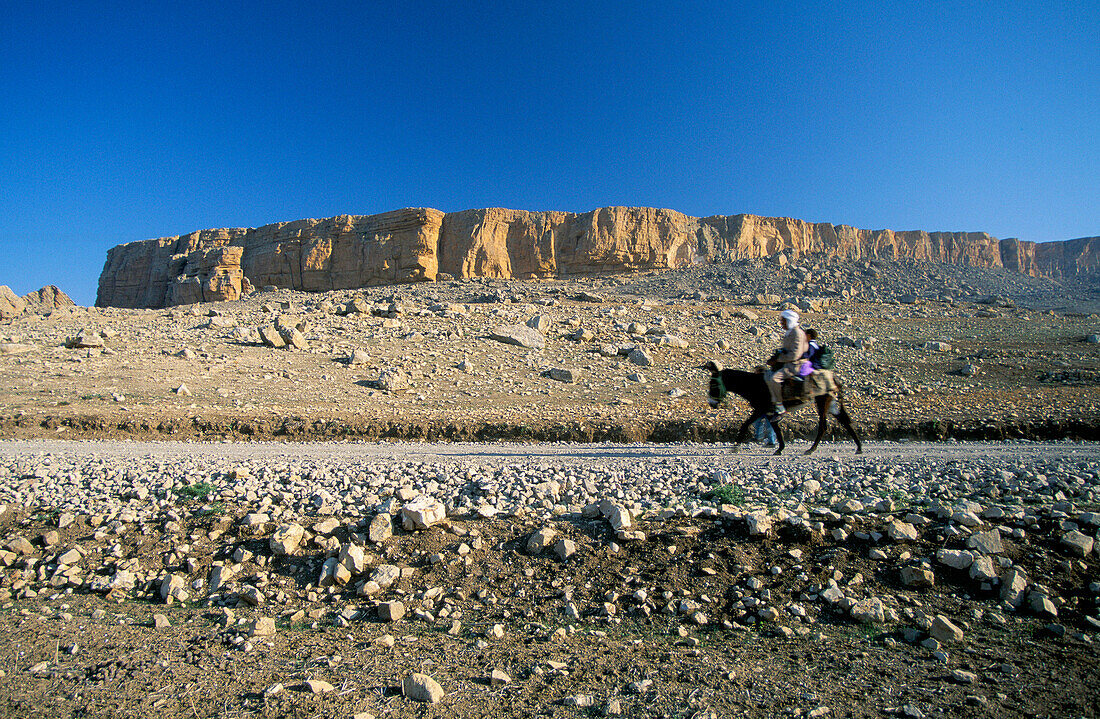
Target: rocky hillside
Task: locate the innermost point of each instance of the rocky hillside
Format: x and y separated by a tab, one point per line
44	300
422	244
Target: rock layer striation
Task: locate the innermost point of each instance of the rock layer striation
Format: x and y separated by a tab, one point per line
422	244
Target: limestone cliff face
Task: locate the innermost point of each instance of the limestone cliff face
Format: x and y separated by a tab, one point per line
417	244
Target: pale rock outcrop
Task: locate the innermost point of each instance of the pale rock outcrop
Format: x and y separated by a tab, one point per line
47	299
11	304
422	244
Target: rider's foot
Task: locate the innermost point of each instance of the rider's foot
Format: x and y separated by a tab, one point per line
779	409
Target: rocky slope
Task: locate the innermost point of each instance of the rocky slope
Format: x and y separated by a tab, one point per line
419	244
925	350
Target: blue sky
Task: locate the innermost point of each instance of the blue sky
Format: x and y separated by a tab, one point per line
126	121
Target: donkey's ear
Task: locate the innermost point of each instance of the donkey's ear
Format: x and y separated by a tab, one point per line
712	367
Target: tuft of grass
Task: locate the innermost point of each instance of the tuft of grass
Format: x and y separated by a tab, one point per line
199	491
729	494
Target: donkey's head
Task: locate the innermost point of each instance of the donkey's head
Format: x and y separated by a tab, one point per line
716	388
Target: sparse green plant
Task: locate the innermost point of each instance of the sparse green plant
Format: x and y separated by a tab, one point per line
48	515
200	491
729	494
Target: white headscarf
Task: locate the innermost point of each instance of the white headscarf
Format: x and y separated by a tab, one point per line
792	318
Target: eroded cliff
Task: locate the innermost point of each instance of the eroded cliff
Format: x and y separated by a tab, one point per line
420	244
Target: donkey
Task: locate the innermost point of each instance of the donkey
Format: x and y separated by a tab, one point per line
751	387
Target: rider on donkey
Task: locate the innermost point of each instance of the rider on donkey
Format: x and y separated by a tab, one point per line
787	360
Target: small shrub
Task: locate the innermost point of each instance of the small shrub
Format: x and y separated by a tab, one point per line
198	491
729	494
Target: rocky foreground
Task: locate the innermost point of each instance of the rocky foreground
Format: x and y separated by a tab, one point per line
355	580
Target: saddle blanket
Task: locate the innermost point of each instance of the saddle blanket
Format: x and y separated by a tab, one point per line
820	382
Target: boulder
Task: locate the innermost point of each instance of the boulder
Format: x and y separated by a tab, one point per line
540	323
519	335
538	542
565	548
422	512
84	339
565	374
1014	587
1077	543
393	379
901	532
175	586
352	558
261	627
391	611
868	611
15	348
640	357
380	528
917	577
955	558
293	337
358	357
385	575
286	538
759	522
944	630
983	569
422	688
271	337
986	542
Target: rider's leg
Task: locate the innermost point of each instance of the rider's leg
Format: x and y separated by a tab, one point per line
774	380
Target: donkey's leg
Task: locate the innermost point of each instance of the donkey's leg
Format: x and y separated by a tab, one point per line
757	414
822	403
846	423
779	443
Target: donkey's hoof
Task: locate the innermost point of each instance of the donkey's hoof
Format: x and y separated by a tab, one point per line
809	451
778	452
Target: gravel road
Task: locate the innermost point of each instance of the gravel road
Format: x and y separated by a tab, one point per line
357	479
564	454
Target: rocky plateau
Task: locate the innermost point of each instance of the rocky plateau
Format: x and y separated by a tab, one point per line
423	244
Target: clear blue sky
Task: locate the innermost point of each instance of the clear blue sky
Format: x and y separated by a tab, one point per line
126	121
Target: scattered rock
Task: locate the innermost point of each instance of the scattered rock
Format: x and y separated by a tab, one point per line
422	688
519	335
286	539
391	611
422	513
944	630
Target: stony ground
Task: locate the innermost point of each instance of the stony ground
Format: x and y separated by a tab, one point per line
926	351
558	580
663	578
